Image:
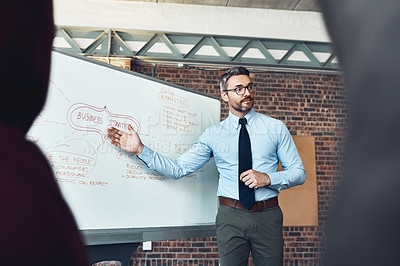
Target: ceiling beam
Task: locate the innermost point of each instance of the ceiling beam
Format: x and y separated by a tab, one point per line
194	48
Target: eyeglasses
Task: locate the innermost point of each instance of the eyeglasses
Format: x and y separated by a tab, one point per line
240	90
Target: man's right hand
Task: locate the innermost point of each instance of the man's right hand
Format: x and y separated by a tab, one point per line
125	141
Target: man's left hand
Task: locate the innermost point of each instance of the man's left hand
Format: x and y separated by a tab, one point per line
255	179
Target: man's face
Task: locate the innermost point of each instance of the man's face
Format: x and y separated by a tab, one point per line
239	105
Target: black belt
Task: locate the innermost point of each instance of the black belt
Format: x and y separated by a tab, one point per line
258	205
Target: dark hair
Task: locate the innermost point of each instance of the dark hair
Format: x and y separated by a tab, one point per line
234	71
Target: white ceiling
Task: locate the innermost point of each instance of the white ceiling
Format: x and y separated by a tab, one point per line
297	5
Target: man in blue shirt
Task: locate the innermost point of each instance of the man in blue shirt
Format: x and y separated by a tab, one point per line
249	217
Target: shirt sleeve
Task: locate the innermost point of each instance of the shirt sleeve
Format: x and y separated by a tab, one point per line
293	173
190	161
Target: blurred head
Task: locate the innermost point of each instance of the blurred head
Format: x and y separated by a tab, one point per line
26	48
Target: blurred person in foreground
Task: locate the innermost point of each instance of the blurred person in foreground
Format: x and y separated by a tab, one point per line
364	225
37	227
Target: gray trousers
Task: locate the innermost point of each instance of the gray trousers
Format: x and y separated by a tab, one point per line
240	231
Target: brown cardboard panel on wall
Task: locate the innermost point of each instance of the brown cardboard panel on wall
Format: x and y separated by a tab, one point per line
300	204
300	208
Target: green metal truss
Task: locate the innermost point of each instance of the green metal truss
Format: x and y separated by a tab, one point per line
194	48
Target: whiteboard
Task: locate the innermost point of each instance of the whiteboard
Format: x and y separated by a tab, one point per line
105	187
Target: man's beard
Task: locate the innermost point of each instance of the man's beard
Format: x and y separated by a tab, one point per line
243	109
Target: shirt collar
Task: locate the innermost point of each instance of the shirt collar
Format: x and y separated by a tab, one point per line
234	120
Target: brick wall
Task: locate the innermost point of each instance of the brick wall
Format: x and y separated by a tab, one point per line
310	105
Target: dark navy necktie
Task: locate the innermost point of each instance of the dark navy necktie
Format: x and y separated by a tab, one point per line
246	194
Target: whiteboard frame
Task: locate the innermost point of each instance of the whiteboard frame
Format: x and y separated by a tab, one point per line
135	235
130	72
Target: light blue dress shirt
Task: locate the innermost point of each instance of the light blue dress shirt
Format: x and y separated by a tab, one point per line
271	142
